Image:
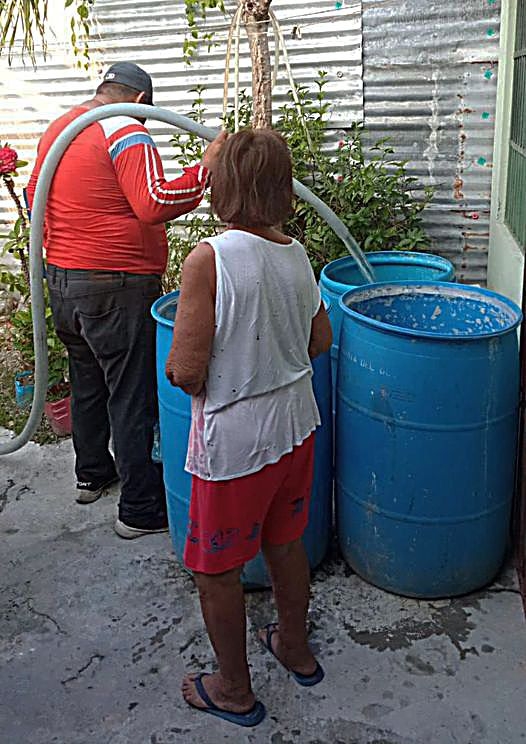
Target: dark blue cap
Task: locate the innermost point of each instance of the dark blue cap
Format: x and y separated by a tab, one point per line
127	73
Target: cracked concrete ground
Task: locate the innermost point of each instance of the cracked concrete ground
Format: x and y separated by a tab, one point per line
95	634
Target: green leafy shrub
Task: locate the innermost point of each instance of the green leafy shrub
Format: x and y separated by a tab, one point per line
368	188
182	237
196	10
16	281
22	339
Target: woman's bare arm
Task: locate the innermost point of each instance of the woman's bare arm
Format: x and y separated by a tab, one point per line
187	363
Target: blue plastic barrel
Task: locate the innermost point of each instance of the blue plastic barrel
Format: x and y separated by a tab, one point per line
426	423
343	274
174	422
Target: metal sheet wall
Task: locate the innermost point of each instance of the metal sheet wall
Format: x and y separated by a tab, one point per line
428	80
430	83
151	32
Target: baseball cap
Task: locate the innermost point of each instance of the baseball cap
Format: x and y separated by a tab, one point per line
127	73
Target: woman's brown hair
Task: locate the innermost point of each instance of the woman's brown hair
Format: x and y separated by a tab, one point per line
252	180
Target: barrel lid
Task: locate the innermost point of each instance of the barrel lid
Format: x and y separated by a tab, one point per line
439	310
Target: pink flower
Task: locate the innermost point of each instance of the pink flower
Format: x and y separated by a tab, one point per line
338	177
8	160
341	143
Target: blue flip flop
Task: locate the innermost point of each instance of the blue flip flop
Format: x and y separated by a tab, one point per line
252	717
305	680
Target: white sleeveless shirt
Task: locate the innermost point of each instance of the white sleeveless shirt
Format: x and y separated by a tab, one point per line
258	402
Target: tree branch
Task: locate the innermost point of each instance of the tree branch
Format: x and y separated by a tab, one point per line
256	19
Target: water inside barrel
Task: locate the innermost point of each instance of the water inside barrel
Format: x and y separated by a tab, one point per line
444	311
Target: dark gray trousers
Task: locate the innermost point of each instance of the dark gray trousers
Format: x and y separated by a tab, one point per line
103	318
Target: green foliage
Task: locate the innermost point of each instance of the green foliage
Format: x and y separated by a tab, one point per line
189	147
30	19
183	235
13	281
16	281
22	337
244	113
25	17
368	188
294	123
198	10
21	322
80	25
15	244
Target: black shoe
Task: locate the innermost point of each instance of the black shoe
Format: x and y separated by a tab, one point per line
91	491
132	528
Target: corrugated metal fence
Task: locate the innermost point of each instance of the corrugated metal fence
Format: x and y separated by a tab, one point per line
426	76
430	83
151	33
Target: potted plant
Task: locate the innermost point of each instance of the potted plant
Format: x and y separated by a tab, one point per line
57	408
17	282
58	403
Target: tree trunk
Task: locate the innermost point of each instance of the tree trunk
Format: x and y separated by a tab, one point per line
256	20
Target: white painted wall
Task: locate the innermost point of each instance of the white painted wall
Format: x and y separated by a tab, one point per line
506	259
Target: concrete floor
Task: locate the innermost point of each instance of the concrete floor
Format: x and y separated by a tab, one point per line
95	634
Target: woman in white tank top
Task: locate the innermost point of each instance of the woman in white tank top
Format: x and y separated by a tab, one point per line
249	321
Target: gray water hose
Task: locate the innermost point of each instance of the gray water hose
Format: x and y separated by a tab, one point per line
45	178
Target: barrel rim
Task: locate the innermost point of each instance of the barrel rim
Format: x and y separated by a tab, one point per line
166	299
159	304
449	288
413	258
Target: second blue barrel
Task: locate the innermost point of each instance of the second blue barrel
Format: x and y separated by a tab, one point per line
426	425
174	421
341	275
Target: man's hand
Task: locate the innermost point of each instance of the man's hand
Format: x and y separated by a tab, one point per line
212	151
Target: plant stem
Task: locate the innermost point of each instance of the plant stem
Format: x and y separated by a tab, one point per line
23	219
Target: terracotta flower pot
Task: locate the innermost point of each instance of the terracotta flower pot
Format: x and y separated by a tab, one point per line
58	413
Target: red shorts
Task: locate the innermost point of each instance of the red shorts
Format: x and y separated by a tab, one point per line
230	519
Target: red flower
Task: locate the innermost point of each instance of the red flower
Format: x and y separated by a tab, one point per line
8	160
341	143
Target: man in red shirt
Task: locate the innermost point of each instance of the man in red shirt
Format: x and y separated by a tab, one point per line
106	250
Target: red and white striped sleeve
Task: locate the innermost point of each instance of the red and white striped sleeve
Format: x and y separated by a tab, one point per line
140	174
